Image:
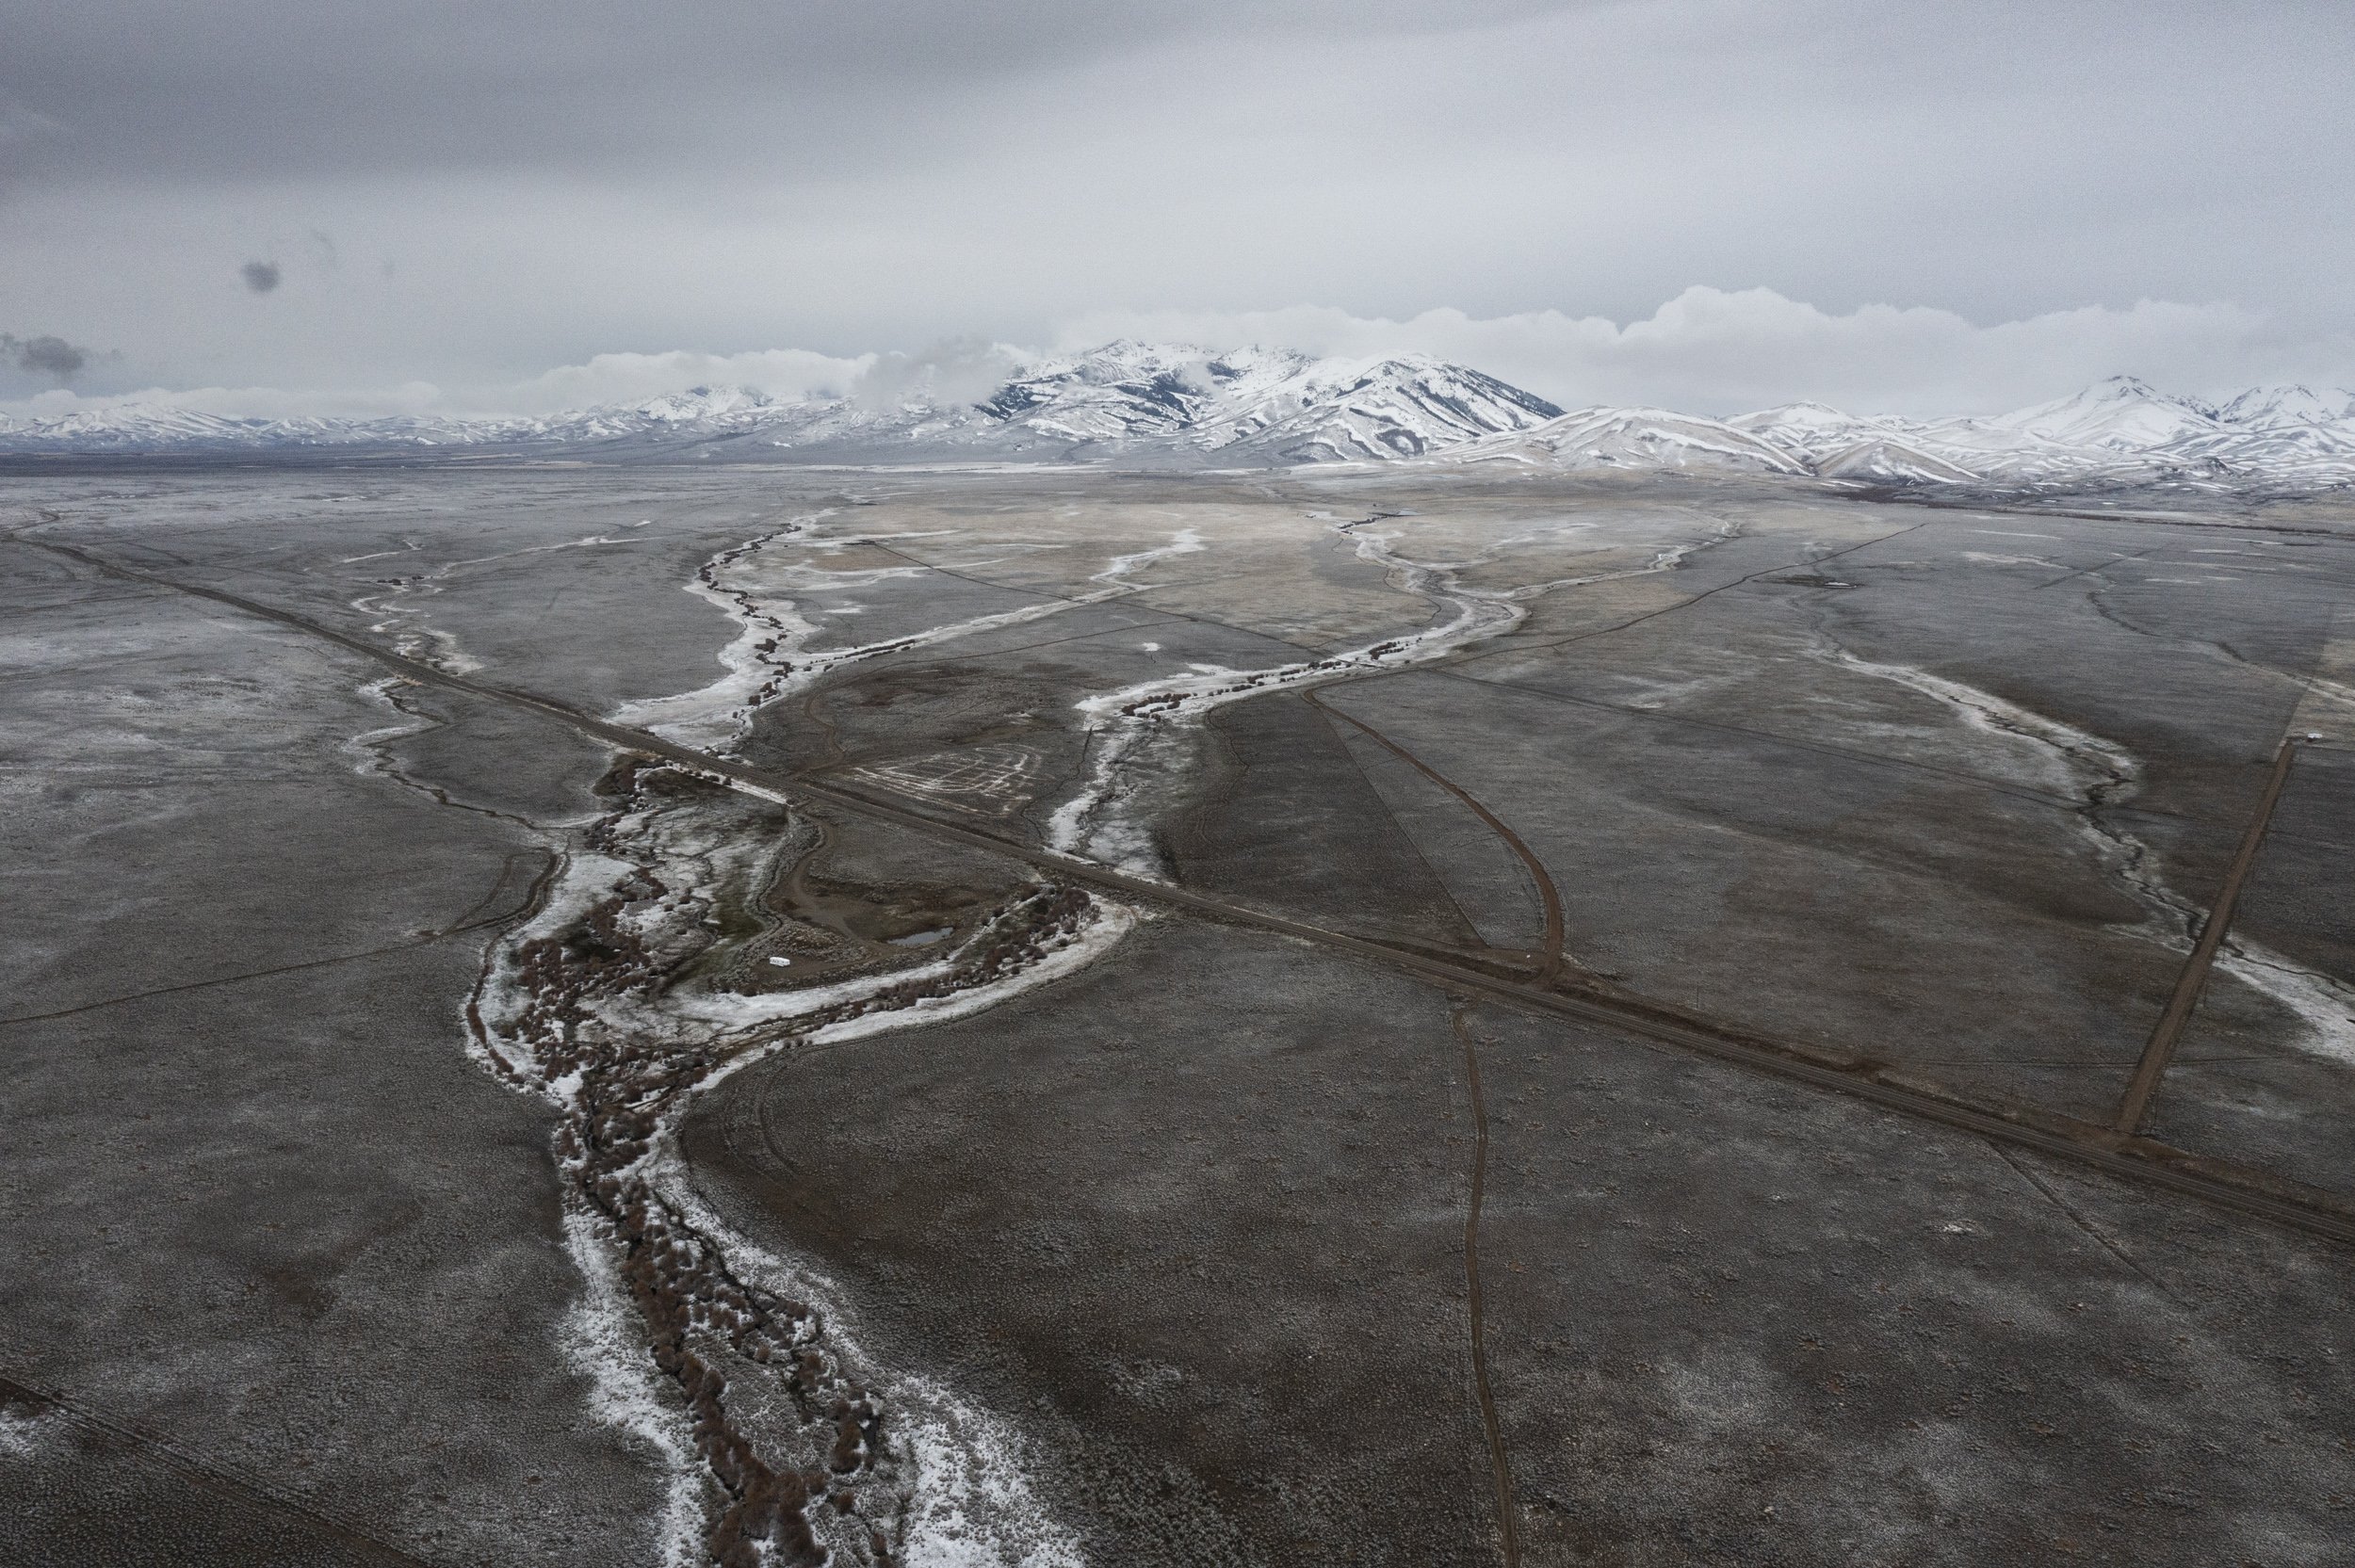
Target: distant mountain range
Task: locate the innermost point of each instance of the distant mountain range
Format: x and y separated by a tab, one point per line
1154	404
2120	430
1253	407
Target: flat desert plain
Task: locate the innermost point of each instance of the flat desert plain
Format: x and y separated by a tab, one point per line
977	1016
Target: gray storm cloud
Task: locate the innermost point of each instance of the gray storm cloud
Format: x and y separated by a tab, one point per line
512	185
478	83
45	355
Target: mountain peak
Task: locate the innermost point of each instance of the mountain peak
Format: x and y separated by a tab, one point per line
2287	404
703	402
2122	413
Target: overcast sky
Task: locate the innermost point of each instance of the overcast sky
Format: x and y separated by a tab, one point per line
1916	205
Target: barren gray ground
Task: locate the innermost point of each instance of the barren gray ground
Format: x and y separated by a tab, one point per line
444	1129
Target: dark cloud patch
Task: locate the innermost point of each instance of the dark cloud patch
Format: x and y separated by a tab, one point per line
261	276
570	84
45	355
560	178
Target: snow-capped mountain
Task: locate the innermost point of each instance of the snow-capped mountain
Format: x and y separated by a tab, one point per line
1249	406
2123	414
1368	409
1123	401
2285	405
1631	438
1128	389
1161	404
2116	432
166	427
1807	430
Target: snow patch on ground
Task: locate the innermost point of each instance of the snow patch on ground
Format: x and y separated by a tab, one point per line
1125	727
2324	1004
604	1341
713	717
1185	542
973	1508
658	871
24	1432
970	1504
401	621
772	657
2099	772
2060	757
367	747
1113	922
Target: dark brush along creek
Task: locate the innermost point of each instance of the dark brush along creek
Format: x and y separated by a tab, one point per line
830	1482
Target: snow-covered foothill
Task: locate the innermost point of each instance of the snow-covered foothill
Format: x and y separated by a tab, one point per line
1602	437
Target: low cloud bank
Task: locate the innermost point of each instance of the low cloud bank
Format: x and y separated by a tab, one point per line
1708	350
781	373
960	370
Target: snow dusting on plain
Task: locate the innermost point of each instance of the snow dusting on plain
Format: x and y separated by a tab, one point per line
770	658
604	1342
1127	728
656	872
2099	773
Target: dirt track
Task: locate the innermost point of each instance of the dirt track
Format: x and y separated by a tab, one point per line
2137	1159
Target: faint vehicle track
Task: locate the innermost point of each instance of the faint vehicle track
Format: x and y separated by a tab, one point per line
1499	1464
1549	949
473	919
814	709
251	1491
2097	778
2024	508
2135	1108
2218	1183
1124	726
780	1456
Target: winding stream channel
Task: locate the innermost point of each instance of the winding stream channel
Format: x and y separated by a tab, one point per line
623	997
627	994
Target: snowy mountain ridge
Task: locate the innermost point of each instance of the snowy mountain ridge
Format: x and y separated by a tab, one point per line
2117	430
1151	404
1124	399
